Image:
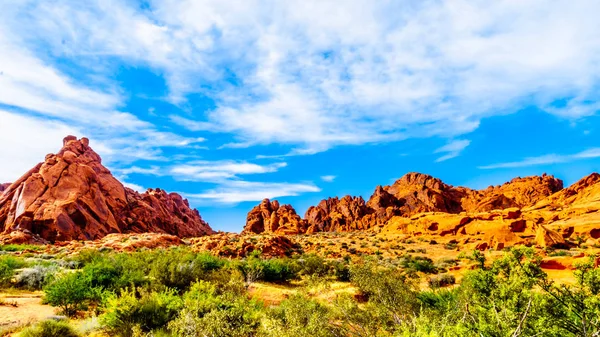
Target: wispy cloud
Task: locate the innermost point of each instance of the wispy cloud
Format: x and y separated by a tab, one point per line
376	72
547	159
328	178
287	73
214	171
240	191
36	138
452	149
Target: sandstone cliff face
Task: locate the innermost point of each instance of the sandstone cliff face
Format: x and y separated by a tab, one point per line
72	196
4	187
270	217
417	193
337	215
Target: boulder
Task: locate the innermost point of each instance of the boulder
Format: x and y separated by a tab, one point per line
548	238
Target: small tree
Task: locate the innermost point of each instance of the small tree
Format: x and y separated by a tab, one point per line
70	293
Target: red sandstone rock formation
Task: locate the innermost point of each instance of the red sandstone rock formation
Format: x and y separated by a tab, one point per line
412	194
335	215
72	196
270	217
4	187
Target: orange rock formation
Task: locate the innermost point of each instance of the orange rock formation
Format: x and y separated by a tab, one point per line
72	196
412	194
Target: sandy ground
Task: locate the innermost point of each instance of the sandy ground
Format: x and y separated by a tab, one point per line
29	309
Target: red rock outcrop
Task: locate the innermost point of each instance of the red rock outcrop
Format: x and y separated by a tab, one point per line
270	217
72	196
337	215
3	187
417	193
519	192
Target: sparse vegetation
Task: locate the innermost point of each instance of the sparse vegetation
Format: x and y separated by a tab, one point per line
50	328
177	292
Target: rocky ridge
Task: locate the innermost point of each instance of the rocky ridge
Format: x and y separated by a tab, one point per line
72	196
410	195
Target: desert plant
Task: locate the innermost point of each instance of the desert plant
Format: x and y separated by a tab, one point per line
37	277
8	265
70	292
298	316
441	280
20	247
50	328
387	288
125	312
210	311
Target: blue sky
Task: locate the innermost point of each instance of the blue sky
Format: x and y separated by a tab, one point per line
229	102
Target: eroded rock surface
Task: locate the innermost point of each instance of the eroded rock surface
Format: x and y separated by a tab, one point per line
270	217
72	196
413	194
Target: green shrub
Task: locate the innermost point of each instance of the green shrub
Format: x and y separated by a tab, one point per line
151	310
70	292
389	289
418	264
278	270
210	311
313	265
441	280
341	271
50	328
36	278
299	316
8	265
179	268
20	247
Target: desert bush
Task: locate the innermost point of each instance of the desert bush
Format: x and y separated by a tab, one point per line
298	316
278	270
441	280
8	265
50	328
269	270
313	265
418	264
36	278
113	273
179	268
388	288
20	247
212	311
341	270
576	307
70	292
125	312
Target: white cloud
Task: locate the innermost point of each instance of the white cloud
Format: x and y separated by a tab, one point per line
374	72
290	72
35	138
547	159
135	187
452	149
240	191
328	178
154	170
216	171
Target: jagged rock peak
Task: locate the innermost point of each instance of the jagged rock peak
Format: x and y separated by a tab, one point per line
416	193
72	196
271	217
421	179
